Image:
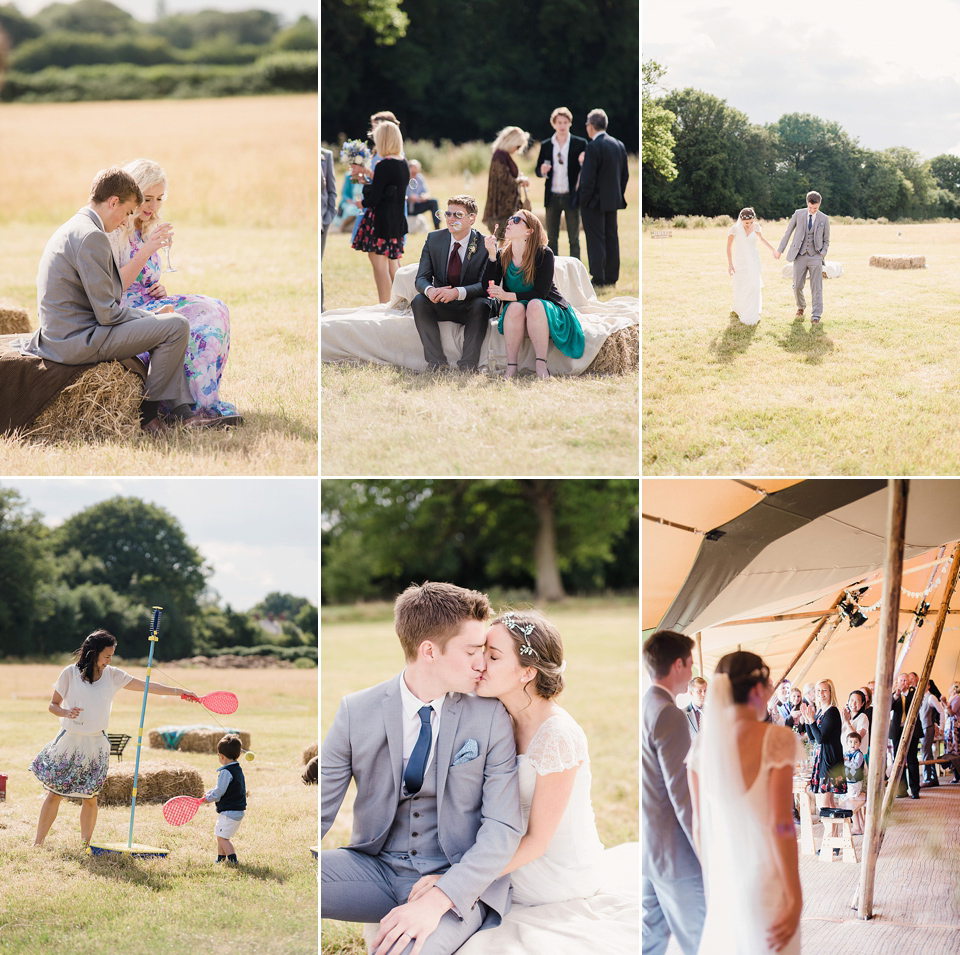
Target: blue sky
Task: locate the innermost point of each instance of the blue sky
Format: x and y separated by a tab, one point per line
888	72
258	534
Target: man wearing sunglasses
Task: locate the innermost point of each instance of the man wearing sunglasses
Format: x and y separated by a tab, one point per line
450	287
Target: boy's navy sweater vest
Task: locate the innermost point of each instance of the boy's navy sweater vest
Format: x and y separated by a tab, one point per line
235	798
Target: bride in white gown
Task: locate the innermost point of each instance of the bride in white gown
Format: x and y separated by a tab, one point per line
569	894
741	785
743	259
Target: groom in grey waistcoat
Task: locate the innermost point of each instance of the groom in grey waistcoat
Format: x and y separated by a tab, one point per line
672	882
808	251
437	812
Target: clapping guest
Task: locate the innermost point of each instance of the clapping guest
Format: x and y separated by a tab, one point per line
384	225
930	708
899	708
951	731
779	706
795	720
855	720
559	165
520	277
824	728
504	179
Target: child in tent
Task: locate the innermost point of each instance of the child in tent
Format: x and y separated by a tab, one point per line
230	795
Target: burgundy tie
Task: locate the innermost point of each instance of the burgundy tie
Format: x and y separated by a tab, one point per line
453	267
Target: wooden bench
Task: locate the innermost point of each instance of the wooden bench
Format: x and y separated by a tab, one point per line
117	742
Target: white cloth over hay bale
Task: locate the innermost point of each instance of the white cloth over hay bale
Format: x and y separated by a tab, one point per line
831	270
312	750
386	334
193	739
898	261
104	401
13	320
156	782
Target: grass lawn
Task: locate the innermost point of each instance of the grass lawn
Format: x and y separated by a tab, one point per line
59	899
242	235
868	392
601	647
380	420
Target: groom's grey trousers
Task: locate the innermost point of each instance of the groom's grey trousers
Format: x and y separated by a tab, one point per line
802	264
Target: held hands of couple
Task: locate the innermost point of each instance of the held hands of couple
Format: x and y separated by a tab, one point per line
413	921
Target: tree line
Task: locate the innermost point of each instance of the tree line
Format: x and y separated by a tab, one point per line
463	71
108	566
93	49
703	157
542	537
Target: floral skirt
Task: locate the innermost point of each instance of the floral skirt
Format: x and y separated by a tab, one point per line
826	779
366	241
73	765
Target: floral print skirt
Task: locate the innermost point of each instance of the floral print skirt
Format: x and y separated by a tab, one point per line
826	779
73	764
366	241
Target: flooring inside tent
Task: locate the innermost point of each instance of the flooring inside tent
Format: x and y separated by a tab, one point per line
916	898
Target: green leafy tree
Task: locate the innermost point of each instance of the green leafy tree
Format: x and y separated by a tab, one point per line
86	16
17	27
145	557
945	169
23	568
657	138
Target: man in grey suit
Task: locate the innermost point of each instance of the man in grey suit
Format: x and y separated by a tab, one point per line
437	811
811	239
672	882
697	688
81	320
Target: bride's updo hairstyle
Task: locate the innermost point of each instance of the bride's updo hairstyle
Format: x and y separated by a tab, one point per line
747	213
745	670
90	650
538	645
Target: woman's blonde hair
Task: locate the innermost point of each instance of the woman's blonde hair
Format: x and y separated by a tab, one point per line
833	692
145	173
510	137
388	139
535	243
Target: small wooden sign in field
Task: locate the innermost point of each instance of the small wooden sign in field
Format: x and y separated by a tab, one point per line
661	234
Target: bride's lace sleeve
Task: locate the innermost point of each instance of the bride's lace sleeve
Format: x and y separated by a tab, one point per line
560	744
783	747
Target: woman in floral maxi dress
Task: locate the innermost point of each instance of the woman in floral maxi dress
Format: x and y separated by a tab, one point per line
136	248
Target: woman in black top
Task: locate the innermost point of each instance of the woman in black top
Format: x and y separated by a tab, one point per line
381	233
823	727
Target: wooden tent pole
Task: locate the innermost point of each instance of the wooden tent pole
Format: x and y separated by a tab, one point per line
699	648
813	636
898	492
910	721
820	648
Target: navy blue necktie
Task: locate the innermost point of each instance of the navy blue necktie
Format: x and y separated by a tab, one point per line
417	764
810	223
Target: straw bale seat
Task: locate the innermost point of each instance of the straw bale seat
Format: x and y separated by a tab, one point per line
898	261
310	752
311	773
13	319
619	354
156	782
193	739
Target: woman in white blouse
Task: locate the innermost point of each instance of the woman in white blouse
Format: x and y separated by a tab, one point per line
75	763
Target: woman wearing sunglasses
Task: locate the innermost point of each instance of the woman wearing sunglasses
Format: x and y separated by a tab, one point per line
520	277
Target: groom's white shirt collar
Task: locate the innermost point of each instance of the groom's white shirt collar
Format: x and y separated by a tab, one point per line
411	720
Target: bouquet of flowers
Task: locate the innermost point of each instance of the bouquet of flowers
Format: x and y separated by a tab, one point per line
355	152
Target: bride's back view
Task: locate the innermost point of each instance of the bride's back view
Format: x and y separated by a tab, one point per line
741	784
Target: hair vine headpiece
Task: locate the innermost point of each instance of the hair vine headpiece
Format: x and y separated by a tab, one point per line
511	622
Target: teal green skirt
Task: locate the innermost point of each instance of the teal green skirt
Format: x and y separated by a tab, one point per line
565	330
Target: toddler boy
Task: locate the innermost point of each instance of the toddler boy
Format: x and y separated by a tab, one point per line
230	795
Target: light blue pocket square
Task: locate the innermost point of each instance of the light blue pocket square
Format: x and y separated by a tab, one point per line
468	751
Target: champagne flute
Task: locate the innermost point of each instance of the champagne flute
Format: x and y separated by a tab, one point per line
166	252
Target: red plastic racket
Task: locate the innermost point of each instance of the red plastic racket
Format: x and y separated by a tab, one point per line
219	701
181	809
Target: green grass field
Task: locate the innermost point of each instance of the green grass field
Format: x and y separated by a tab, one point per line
601	644
868	392
244	234
384	420
58	899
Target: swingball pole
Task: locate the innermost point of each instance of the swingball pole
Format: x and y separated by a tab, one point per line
138	852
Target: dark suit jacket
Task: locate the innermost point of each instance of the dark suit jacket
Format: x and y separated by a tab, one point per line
436	255
604	174
543	285
386	195
898	713
574	156
691	719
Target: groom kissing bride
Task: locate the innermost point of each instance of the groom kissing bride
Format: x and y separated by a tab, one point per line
448	830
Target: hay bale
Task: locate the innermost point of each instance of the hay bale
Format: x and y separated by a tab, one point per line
104	401
312	750
619	354
898	261
157	782
309	776
195	739
13	319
